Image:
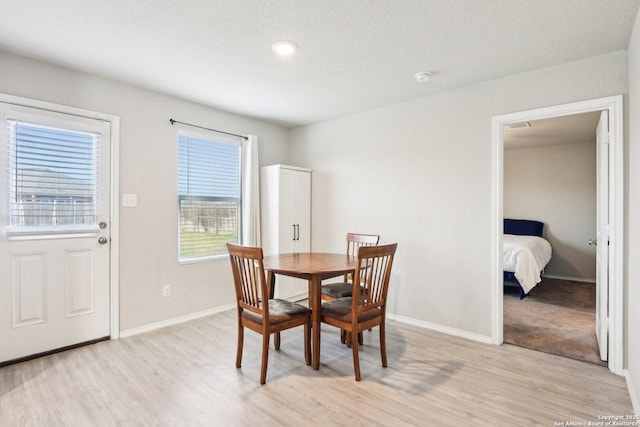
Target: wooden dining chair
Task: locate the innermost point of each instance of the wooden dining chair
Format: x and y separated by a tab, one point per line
276	315
333	291
367	306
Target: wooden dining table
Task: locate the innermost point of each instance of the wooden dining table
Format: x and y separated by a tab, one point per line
313	267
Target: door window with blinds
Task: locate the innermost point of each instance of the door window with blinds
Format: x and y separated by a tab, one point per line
52	178
209	201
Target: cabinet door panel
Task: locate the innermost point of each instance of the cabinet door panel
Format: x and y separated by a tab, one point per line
302	209
288	212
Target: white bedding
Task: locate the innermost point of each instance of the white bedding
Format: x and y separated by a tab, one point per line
526	256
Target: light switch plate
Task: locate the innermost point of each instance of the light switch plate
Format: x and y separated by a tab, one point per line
129	200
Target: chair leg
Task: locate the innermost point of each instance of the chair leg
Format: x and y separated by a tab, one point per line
348	338
383	345
307	343
356	358
343	336
276	340
265	358
240	342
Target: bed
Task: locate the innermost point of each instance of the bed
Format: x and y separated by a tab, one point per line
526	254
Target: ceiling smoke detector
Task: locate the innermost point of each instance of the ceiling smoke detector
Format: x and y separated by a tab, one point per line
423	76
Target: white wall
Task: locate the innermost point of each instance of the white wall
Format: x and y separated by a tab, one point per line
148	239
633	224
556	184
419	173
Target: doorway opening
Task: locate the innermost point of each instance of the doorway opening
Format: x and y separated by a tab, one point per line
550	176
611	323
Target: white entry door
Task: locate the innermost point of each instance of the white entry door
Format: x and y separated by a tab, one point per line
602	235
54	230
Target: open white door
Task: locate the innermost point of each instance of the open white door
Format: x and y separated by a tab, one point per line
602	235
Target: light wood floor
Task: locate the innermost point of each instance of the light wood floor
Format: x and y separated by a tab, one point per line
184	375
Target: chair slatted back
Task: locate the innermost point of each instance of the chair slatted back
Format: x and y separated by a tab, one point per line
374	263
249	278
355	241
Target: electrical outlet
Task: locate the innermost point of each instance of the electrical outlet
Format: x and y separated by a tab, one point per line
166	291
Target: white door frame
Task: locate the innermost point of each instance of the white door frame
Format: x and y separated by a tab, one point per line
614	105
114	247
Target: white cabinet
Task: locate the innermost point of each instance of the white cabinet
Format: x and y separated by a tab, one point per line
285	199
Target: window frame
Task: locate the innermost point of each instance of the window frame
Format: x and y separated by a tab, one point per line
214	139
62	121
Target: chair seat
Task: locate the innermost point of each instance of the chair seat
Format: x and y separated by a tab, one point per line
280	311
340	309
338	290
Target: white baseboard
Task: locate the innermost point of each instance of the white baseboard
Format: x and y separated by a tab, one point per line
574	279
440	328
299	297
633	393
411	321
175	321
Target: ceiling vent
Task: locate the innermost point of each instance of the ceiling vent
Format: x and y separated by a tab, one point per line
519	125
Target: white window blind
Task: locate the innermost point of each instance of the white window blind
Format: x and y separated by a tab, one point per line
53	177
208	196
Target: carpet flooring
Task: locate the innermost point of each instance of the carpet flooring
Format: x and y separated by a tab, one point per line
557	317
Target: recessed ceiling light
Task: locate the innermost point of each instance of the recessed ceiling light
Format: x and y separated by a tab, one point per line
284	47
423	76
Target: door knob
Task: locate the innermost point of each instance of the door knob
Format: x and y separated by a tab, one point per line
102	240
102	225
592	242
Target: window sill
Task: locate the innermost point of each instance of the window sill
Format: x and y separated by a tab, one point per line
186	261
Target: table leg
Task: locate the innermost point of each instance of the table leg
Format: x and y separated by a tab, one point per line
315	304
271	284
271	281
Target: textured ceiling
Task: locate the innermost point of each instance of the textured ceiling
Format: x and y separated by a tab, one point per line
354	55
